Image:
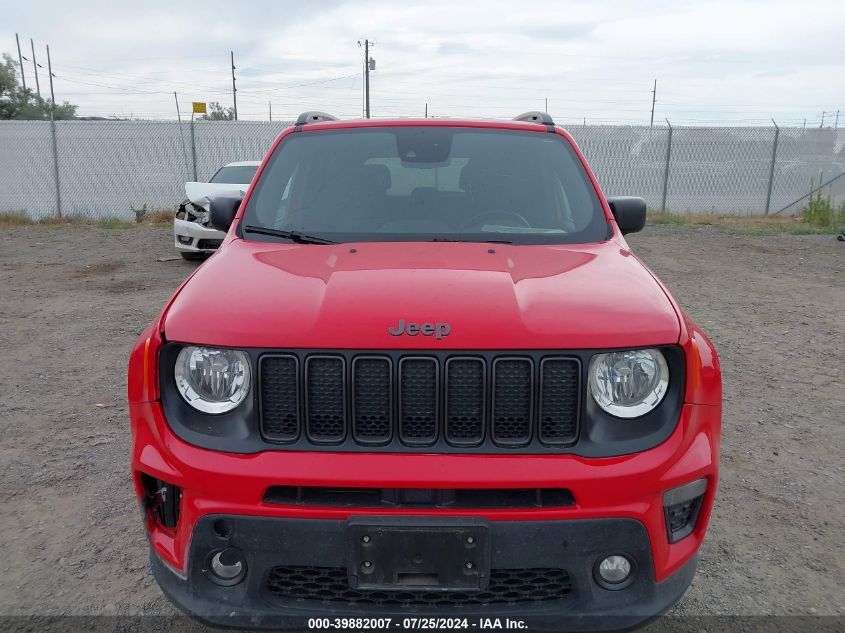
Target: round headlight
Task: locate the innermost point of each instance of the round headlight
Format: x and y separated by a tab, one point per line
212	380
629	384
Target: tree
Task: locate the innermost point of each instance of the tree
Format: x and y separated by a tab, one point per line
17	103
217	112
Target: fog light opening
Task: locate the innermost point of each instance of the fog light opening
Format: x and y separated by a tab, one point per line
681	507
162	499
226	567
614	572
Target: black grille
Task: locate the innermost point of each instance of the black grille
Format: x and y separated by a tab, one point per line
451	402
512	395
325	389
464	400
559	401
371	399
507	586
280	397
418	400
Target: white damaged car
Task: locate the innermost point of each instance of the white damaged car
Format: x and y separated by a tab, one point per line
194	238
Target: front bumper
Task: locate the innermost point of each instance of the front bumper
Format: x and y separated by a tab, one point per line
191	234
518	548
625	493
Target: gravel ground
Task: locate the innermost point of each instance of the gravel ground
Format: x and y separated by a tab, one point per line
73	300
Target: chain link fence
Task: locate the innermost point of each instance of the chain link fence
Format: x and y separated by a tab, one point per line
103	169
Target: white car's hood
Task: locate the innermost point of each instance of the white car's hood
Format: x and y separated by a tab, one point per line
201	193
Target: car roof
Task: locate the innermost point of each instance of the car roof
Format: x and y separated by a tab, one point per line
429	121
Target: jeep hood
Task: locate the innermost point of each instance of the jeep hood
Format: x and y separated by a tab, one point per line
258	294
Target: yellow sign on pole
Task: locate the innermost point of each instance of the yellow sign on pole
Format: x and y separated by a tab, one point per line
199	107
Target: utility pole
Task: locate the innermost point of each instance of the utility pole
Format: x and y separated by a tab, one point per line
836	122
20	61
426	109
181	135
822	124
270	104
53	135
653	101
772	167
35	67
50	72
666	167
547	105
367	78
234	90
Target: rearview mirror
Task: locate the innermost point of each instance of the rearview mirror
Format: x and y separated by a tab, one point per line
629	213
222	212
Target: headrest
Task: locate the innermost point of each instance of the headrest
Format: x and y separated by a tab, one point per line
378	176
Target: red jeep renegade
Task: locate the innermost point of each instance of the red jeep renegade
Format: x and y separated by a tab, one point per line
425	383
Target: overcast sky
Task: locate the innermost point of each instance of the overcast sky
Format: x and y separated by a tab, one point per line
721	62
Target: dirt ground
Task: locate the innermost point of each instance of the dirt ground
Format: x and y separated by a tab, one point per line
73	300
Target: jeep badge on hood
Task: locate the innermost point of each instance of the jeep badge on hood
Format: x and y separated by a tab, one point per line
426	329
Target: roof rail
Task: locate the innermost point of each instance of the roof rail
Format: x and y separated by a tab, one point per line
314	116
535	117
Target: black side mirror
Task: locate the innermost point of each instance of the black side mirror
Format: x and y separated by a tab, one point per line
629	213
222	212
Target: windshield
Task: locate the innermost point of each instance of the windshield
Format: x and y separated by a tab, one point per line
426	183
235	175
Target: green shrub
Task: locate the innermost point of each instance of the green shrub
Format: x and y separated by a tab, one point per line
821	211
140	214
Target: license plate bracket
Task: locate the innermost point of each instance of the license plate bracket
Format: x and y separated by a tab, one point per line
418	554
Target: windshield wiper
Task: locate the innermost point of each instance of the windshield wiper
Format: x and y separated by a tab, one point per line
449	239
293	236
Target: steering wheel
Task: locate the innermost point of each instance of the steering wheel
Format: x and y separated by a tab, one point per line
484	218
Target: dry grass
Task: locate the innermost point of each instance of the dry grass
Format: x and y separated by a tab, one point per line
743	224
158	217
14	219
161	216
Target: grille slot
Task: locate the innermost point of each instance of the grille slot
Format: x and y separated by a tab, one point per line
372	402
279	388
451	498
331	585
513	380
465	401
559	400
418	401
325	388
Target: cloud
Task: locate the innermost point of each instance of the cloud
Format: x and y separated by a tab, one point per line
717	60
